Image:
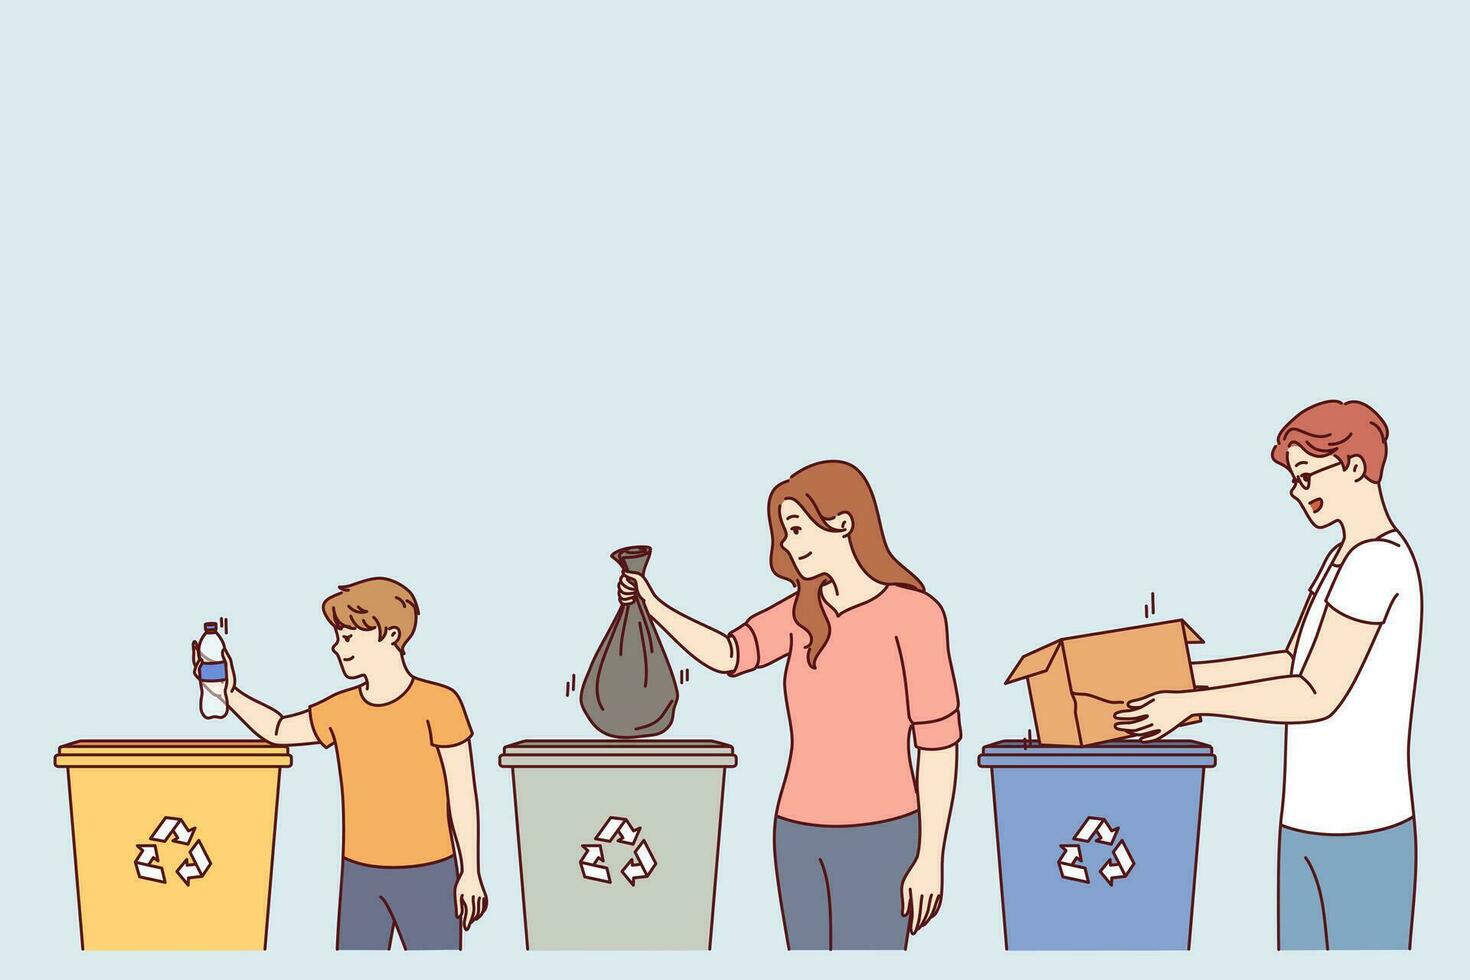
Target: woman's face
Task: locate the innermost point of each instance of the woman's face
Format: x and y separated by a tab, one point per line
814	549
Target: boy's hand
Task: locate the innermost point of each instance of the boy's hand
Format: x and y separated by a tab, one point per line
229	673
469	898
229	669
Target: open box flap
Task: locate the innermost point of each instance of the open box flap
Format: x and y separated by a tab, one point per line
1034	662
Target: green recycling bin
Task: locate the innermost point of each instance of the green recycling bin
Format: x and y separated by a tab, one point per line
619	841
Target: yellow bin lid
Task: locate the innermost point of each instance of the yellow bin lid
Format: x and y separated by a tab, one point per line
100	753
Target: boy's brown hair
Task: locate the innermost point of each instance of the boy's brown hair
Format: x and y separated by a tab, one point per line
374	604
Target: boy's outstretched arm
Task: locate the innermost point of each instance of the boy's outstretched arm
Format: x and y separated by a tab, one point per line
464	819
266	722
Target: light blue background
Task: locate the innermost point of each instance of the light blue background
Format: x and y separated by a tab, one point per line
470	294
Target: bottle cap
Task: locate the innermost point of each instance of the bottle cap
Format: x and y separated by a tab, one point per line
211	627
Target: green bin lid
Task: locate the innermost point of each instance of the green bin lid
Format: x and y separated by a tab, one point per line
612	753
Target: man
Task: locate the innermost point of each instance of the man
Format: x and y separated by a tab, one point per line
1344	688
408	781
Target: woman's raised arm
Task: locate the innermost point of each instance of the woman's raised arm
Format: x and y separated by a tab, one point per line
704	643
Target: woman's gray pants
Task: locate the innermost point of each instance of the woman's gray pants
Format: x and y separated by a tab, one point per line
839	886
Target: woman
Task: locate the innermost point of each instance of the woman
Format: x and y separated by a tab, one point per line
859	840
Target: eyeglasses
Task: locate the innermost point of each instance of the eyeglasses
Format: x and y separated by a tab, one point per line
1304	480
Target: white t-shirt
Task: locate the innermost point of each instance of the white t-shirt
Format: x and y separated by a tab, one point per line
1349	773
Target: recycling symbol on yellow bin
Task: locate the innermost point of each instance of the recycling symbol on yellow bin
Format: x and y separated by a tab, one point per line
196	863
617	830
1096	830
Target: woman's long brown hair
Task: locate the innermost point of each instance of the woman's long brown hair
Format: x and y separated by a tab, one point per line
825	490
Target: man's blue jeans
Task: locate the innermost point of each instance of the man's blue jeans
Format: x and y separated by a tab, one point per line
1346	891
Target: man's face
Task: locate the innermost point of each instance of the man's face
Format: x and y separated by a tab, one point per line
359	651
1328	482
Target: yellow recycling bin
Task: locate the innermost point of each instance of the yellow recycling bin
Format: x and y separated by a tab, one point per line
173	841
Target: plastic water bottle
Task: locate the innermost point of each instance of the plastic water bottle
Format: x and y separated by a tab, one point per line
210	654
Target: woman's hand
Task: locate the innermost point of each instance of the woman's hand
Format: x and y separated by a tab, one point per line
922	891
704	643
631	586
1151	718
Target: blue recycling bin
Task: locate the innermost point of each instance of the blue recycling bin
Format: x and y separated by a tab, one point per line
1097	844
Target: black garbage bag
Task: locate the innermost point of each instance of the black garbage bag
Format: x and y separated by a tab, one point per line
629	689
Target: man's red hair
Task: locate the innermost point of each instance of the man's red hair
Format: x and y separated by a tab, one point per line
1341	429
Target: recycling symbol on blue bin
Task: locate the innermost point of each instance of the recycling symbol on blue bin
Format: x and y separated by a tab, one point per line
1096	830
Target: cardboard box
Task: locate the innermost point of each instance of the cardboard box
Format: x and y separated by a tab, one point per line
1078	682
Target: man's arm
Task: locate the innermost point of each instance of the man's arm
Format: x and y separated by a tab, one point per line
464	818
1332	666
1253	667
1242	670
266	722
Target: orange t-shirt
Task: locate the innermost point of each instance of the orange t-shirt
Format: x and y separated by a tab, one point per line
395	802
884	673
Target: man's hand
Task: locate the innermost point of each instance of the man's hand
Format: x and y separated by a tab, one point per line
922	891
1155	716
469	898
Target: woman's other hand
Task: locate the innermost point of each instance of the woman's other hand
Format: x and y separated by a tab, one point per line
922	891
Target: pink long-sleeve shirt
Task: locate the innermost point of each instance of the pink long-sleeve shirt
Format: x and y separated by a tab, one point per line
884	673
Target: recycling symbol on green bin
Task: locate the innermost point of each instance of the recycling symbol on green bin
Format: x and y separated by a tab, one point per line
195	865
1096	830
618	830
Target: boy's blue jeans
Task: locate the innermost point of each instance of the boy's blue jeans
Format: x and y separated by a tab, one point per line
419	901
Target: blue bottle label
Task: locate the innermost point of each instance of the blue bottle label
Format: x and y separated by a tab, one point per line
209	671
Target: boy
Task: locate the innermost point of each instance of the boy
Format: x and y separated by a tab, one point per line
1344	689
408	782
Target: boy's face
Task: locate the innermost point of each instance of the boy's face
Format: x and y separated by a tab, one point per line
360	651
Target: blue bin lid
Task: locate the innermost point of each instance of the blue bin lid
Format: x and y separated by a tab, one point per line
1176	753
